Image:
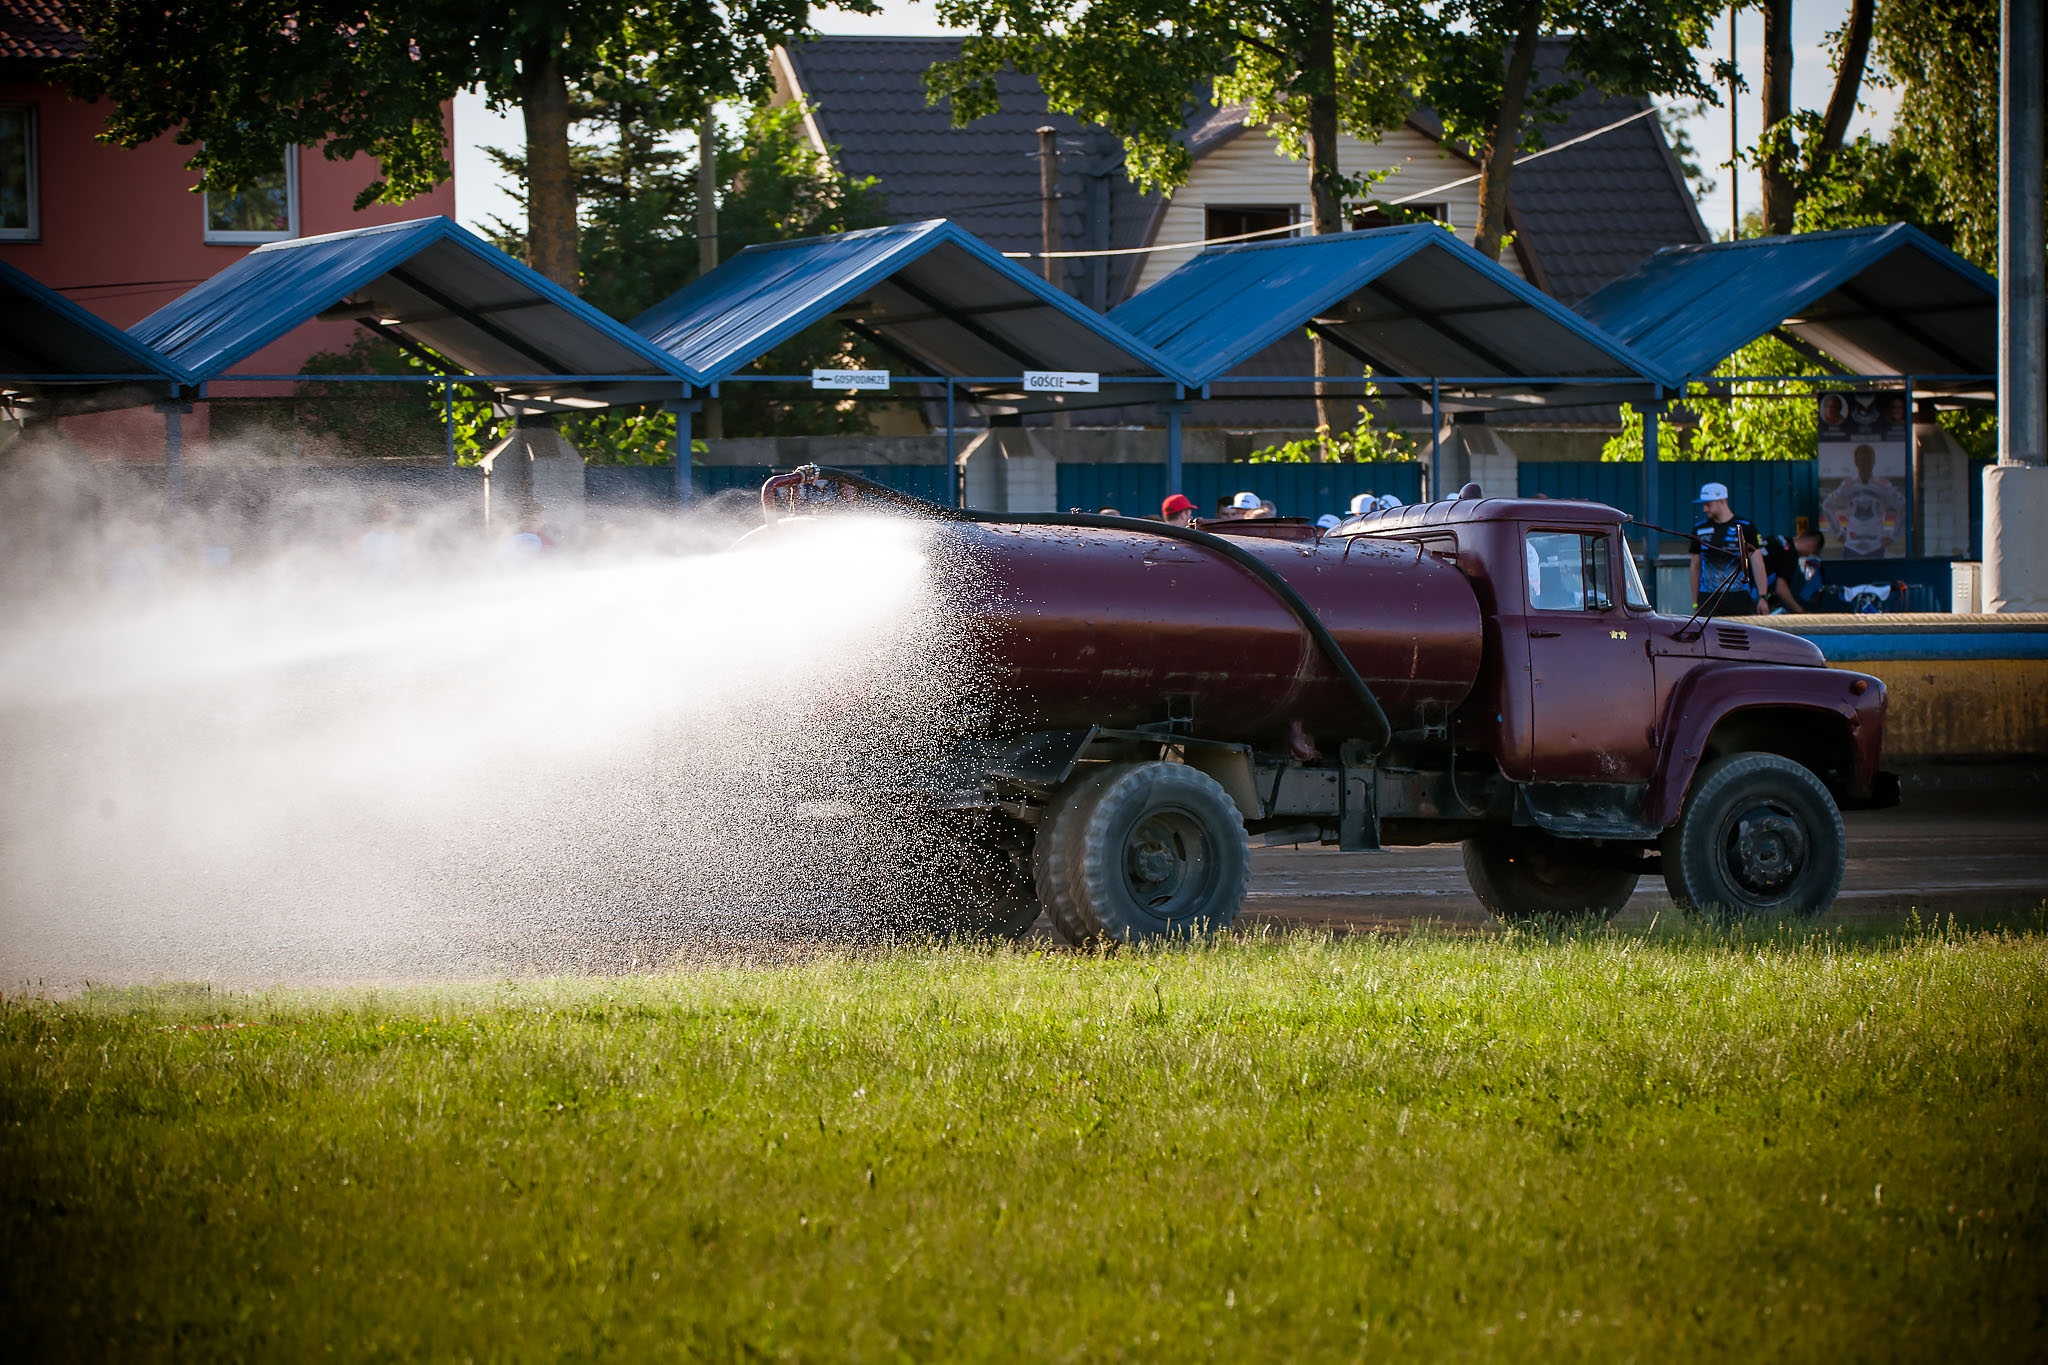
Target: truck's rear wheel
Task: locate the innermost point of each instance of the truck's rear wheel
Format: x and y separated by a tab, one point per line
1533	880
1143	851
1760	839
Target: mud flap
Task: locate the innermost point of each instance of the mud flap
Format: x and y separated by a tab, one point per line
1358	815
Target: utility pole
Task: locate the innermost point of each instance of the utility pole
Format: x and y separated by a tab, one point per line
707	236
2016	488
1049	204
1734	134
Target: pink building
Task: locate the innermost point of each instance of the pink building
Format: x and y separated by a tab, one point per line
122	232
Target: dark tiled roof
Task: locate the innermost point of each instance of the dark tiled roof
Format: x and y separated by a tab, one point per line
33	34
1588	214
870	99
1594	212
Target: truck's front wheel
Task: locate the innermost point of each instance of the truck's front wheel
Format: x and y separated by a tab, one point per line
1535	881
1142	851
1760	839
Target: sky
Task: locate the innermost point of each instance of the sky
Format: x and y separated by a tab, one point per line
481	194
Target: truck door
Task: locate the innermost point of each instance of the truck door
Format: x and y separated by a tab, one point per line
1592	686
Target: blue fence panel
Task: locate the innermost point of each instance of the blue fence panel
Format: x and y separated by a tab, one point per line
1134	489
1772	493
1296	490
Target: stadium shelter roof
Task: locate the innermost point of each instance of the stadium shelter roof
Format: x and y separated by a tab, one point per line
1409	301
439	292
931	295
58	356
1877	300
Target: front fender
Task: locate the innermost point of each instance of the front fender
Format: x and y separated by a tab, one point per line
1713	693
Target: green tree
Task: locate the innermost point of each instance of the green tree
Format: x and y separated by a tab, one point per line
1307	71
1763	422
1943	56
1366	443
239	80
1480	74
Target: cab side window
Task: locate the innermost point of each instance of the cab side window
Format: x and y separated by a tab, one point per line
1568	571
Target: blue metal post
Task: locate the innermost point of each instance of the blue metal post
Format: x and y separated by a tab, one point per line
1916	537
174	449
1653	418
1173	413
1436	441
685	488
952	460
448	419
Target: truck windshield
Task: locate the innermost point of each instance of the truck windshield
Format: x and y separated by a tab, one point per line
1631	577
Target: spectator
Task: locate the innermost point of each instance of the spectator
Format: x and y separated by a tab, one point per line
1265	509
531	540
1177	510
1223	512
1363	503
1727	559
381	550
1387	502
1329	521
1794	572
1107	512
1242	506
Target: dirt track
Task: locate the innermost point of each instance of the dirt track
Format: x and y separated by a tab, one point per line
1971	864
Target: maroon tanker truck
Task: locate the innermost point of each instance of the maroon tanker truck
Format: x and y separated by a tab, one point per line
1484	671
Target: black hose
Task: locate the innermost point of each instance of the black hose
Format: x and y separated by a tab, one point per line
1379	731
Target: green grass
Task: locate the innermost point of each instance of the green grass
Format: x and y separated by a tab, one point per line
1613	1147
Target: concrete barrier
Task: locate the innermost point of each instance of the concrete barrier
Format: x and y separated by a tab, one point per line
1964	689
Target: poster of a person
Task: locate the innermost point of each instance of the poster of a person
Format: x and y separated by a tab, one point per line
1863	444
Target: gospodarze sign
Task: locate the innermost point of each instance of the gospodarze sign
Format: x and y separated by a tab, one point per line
849	379
1062	381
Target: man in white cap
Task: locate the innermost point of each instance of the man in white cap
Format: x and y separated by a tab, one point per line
1363	503
1329	521
1388	502
1242	506
1727	558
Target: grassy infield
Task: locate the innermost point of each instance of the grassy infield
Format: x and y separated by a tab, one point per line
1612	1147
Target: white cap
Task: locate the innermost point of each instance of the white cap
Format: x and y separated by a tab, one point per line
1363	503
1246	502
1329	520
1713	492
1388	502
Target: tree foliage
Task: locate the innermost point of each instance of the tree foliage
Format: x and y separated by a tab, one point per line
1775	422
1943	55
239	80
1479	74
1366	443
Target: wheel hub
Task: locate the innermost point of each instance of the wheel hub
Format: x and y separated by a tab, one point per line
1767	849
1165	862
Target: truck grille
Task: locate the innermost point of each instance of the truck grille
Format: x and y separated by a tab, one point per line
1728	637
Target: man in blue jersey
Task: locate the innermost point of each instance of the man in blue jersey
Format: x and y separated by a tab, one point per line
1727	559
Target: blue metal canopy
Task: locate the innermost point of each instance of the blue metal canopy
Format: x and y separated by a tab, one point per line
58	353
930	293
433	287
1411	301
1879	300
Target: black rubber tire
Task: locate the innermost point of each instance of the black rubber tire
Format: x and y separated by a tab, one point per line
1531	880
1760	840
1143	851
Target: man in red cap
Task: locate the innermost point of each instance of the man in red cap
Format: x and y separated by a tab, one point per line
1177	510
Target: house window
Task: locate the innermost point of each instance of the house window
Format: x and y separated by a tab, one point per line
267	210
19	217
1373	216
1234	220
